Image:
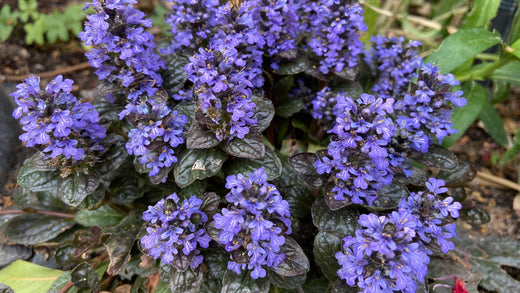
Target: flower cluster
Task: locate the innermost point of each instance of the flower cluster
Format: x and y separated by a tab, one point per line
223	87
334	27
253	225
280	26
433	213
55	120
383	256
122	50
157	132
324	106
191	22
394	63
175	226
357	153
427	108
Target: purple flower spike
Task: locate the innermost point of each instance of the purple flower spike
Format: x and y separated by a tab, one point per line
254	222
55	121
175	227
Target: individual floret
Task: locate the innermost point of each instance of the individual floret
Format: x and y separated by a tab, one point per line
253	226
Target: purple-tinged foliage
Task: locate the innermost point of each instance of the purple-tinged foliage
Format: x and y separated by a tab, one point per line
357	152
334	28
56	121
434	214
254	223
394	64
157	132
175	227
122	50
383	256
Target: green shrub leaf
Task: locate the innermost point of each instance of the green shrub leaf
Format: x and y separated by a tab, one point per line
26	277
462	46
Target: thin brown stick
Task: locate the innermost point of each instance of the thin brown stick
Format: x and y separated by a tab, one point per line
499	180
66	287
51	73
50	213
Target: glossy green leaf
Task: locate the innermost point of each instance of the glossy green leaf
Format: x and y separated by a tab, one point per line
32	179
475	216
174	76
113	158
463	117
85	277
439	157
126	189
76	187
39	163
463	173
60	282
289	106
303	164
390	196
197	164
187	281
291	67
250	147
286	282
36	228
264	113
343	221
461	46
120	243
104	216
271	163
482	13
188	110
200	138
493	123
210	202
216	260
233	283
298	194
295	262
326	245
26	277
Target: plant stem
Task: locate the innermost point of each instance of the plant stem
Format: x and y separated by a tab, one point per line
486	71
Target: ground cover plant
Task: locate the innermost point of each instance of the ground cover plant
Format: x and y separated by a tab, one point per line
262	146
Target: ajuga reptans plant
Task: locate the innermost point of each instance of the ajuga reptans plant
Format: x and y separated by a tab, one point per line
257	142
